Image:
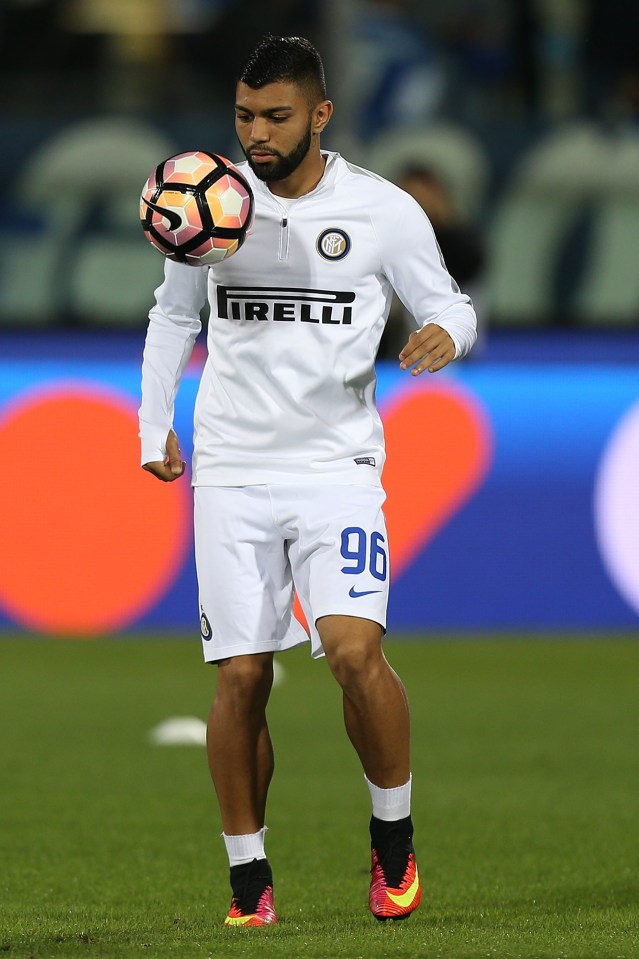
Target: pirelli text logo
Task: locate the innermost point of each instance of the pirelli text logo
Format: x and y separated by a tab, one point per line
284	304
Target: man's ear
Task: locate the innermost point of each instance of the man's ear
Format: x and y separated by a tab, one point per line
321	115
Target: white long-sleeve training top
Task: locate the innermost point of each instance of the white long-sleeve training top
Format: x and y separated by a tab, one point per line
288	390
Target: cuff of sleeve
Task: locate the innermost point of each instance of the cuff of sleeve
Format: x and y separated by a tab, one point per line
458	349
153	449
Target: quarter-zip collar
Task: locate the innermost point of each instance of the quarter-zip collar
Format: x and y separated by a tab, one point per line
259	187
284	210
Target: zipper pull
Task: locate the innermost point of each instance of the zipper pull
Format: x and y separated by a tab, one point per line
283	251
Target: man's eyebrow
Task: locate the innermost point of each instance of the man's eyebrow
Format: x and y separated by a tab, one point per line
283	109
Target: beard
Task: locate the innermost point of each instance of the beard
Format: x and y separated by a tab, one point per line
281	166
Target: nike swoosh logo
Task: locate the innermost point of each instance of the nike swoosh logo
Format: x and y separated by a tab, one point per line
175	220
238	920
406	897
354	593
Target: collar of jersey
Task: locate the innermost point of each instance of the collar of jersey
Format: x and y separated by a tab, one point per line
325	183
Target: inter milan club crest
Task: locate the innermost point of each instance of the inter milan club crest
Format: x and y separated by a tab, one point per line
333	244
205	627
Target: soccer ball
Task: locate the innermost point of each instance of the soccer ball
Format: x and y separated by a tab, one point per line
196	208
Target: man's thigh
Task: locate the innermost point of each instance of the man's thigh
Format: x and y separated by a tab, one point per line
244	576
339	558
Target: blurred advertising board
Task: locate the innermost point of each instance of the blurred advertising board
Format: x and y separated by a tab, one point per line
513	493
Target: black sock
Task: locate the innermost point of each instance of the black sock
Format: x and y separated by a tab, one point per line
383	833
248	882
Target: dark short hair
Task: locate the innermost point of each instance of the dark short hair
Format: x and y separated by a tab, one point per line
285	59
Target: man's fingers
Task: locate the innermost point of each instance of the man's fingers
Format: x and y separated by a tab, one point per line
162	471
429	349
174	460
173	465
419	344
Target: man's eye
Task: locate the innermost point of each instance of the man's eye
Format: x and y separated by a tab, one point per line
242	118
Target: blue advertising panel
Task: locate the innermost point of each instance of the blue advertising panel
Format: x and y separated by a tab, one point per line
512	494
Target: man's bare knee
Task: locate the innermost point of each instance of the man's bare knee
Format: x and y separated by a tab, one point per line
353	649
245	681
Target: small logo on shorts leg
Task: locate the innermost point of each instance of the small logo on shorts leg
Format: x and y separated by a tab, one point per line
355	593
205	627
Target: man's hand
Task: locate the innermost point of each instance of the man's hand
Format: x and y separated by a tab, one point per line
173	466
430	348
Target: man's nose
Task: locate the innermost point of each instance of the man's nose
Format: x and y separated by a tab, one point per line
259	130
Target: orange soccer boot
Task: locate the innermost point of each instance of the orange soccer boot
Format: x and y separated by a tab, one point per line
252	902
395	890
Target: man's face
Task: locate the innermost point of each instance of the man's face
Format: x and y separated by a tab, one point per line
274	127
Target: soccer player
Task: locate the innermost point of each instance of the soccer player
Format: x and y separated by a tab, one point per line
289	451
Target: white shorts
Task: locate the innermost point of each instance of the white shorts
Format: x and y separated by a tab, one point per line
256	545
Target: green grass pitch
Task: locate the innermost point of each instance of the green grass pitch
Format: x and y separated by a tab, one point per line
526	793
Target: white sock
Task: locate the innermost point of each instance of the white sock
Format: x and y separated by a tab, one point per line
390	804
244	849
